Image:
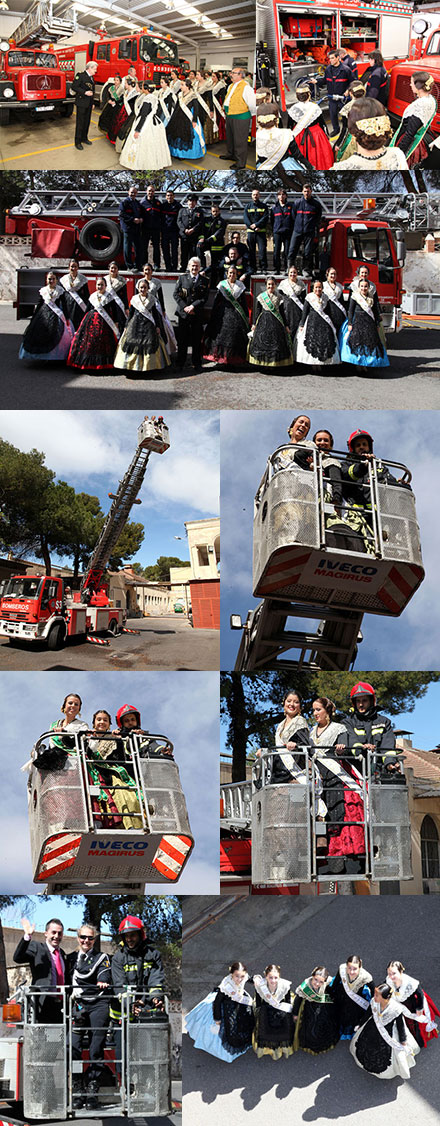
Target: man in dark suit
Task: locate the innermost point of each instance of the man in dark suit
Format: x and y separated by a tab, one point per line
83	86
131	219
191	222
151	226
170	231
191	294
47	962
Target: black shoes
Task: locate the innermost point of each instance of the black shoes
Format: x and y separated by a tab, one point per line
78	147
87	142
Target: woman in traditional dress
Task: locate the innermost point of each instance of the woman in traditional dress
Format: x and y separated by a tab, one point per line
112	98
49	333
167	331
345	144
383	1045
117	804
146	144
273	1033
95	341
361	343
270	343
184	130
117	286
293	293
363	274
292	732
167	100
334	291
226	336
315	1014
76	287
351	990
132	92
277	147
219	88
408	991
141	347
316	342
223	1022
340	791
369	124
417	117
203	87
309	130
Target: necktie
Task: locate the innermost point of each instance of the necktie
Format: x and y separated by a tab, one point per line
59	971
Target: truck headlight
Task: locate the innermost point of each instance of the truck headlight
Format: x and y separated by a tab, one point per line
9	92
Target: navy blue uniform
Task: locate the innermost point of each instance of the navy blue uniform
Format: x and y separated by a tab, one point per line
306	219
151	227
170	233
82	85
129	210
282	224
189	218
258	214
213	240
337	80
375	79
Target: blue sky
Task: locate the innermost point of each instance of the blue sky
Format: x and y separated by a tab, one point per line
182	705
91	450
40	910
411	437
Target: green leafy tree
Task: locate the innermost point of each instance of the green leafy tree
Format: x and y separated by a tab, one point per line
128	545
160	571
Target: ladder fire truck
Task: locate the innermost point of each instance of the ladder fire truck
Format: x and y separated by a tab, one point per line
298	35
42	607
30	76
153	56
299	575
271	836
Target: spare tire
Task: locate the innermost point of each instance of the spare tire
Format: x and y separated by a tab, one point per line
100	239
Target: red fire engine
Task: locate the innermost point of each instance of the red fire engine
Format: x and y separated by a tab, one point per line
42	607
299	34
151	54
30	78
428	58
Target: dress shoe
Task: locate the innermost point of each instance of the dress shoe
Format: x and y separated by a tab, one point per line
87	142
78	147
227	157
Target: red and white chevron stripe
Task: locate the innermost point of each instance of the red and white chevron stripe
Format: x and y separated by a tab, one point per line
96	640
399	586
285	570
171	855
60	852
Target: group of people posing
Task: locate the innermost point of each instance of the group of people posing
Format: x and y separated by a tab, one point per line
97	983
338	745
386	1024
109	760
362	136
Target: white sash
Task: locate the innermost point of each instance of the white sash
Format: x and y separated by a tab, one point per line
288	290
361	1001
137	303
239	994
50	297
279	143
105	316
66	281
113	292
334	295
364	303
317	306
274	999
407	988
380	1025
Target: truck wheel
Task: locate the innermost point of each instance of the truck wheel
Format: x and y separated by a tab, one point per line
5	115
57	637
100	239
66	111
113	627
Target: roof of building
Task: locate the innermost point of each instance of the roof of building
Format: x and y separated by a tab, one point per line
425	764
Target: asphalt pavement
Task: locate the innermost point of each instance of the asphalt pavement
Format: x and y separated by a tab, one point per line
297	933
413	353
161	643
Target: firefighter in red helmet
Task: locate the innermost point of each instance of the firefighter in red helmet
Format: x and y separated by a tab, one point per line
128	719
136	965
367	730
356	484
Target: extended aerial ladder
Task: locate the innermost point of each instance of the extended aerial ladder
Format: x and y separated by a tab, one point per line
302	574
42	26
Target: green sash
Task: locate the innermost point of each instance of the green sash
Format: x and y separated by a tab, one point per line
416	140
305	990
269	305
225	290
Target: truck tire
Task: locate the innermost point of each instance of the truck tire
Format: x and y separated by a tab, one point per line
57	637
100	239
66	111
5	115
113	627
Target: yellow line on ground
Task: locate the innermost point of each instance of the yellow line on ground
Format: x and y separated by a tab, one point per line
38	152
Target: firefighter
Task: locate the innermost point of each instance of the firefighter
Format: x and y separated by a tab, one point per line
128	719
170	231
240	262
138	966
83	87
191	294
190	221
256	217
375	78
151	226
212	239
282	225
130	220
356	490
367	730
306	214
337	78
91	979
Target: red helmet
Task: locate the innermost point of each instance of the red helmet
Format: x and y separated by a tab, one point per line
131	923
359	434
126	710
362	689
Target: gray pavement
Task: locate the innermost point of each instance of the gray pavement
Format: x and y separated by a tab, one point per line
414	353
298	932
163	643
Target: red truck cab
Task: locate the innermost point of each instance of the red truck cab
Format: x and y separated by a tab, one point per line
400	93
31	80
348	244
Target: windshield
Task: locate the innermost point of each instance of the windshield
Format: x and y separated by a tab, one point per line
152	48
27	586
370	246
32	58
434	44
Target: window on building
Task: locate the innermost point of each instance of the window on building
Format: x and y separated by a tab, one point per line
430	848
202	554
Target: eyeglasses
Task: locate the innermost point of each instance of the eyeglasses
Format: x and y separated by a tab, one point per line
86	937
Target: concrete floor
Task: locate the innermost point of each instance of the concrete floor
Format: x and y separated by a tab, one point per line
48	143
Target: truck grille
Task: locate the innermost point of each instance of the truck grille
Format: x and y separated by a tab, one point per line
403	88
13	615
43	82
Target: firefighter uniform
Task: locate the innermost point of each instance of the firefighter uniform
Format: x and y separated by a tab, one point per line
375	80
189	219
282	224
337	80
256	216
151	228
213	240
306	214
82	85
190	290
139	968
170	232
370	728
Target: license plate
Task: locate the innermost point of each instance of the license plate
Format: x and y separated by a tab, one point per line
43	109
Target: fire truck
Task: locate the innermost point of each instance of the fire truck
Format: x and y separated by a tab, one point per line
272	839
298	35
30	76
153	56
39	1073
400	93
43	607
